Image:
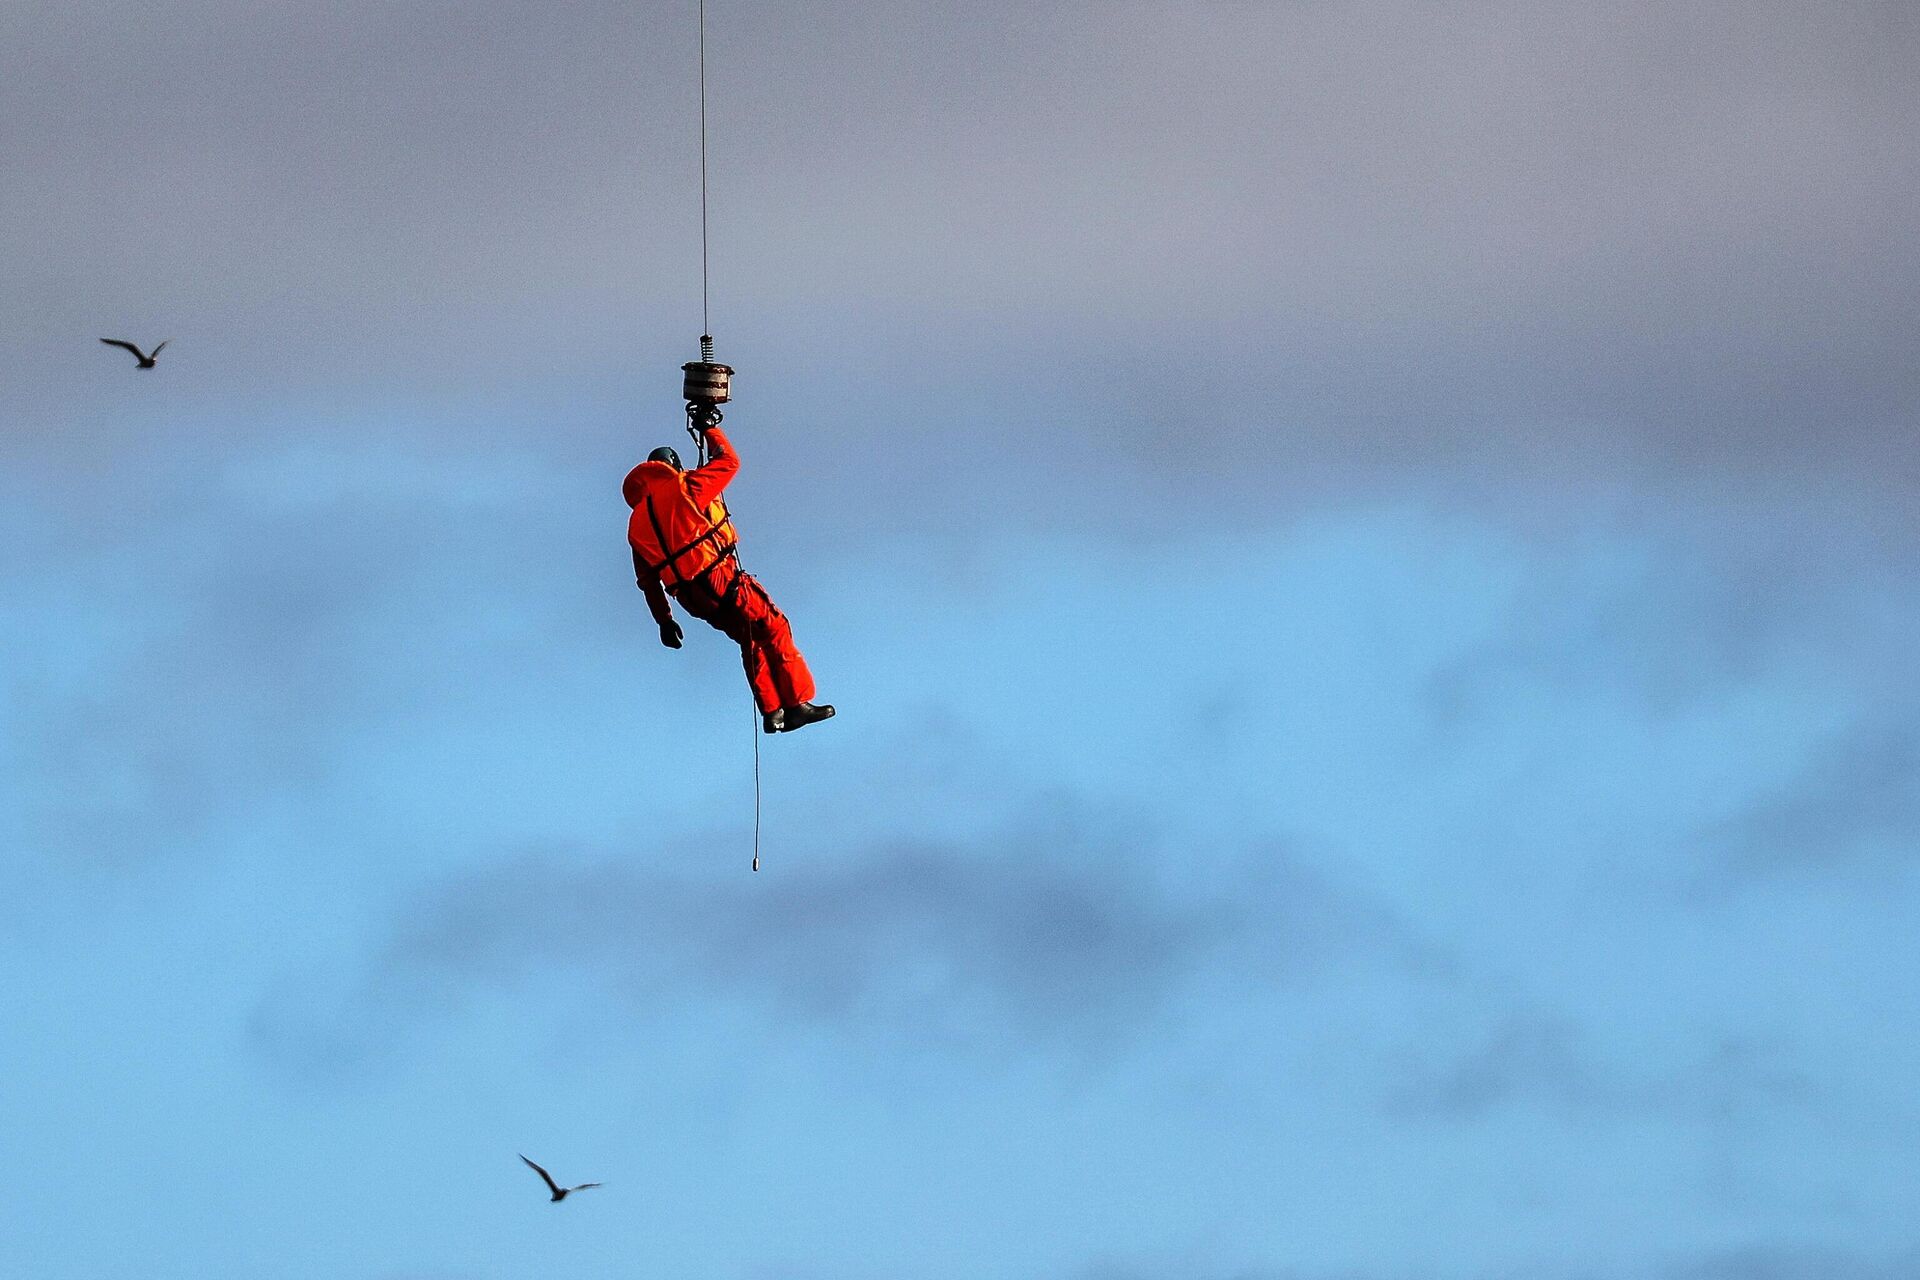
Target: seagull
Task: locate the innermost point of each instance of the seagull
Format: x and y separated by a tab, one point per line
146	361
559	1192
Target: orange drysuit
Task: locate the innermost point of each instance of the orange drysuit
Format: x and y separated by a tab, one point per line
683	546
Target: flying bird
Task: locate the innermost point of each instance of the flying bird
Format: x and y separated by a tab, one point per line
146	361
559	1192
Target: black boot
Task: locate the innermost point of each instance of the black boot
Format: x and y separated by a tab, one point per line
802	714
770	721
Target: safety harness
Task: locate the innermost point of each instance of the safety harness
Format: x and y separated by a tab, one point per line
668	570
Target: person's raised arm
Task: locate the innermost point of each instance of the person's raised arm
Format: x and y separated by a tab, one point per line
705	482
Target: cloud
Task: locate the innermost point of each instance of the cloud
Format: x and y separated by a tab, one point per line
1739	699
1674	607
1788	1261
1562	243
1047	934
1799	1262
1854	803
1524	1058
1534	1060
178	674
218	645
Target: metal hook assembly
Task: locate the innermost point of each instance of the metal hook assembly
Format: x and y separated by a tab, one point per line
706	387
706	382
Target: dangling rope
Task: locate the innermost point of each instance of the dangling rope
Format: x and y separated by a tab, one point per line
755	723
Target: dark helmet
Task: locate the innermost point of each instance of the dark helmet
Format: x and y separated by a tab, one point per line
666	455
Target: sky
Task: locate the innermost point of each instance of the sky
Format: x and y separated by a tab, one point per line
1366	556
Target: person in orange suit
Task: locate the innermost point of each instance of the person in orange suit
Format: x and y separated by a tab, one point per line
684	547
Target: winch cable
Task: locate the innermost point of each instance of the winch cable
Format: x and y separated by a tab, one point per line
706	326
706	355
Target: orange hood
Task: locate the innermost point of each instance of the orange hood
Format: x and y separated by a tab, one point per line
642	477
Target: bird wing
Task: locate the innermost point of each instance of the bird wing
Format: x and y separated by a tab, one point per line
544	1175
115	342
585	1186
156	350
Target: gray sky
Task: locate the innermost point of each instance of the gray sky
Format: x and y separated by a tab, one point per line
1680	232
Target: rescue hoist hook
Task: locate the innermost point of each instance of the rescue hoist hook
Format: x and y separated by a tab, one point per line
705	387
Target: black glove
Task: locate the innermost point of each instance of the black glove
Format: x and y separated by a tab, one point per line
670	634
